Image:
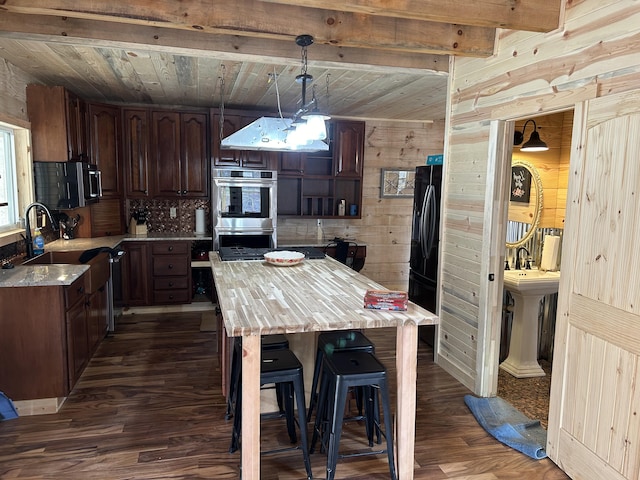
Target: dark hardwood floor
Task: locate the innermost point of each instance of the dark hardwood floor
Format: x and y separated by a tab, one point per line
149	406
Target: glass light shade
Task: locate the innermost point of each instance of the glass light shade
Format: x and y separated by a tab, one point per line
315	128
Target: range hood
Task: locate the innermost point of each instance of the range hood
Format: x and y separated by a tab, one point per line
269	133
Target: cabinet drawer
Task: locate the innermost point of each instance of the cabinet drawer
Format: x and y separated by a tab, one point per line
75	291
171	296
171	283
161	248
172	265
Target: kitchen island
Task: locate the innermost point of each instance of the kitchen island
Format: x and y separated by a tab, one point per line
317	295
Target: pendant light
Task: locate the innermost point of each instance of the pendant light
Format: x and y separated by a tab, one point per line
534	144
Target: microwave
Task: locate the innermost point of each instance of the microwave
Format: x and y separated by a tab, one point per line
65	185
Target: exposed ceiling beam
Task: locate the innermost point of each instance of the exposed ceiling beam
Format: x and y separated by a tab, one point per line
530	15
75	31
264	20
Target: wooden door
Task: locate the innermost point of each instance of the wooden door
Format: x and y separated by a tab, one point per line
136	153
230	124
594	426
105	146
194	157
76	127
135	274
165	147
348	148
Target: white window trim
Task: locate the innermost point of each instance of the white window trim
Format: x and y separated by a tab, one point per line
24	173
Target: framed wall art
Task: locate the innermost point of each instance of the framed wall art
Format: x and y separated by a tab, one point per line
397	183
520	184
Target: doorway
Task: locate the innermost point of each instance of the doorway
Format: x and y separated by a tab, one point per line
529	391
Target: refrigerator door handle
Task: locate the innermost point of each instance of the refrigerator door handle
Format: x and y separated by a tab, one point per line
427	222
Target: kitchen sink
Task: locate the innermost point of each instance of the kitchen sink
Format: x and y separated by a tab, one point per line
98	272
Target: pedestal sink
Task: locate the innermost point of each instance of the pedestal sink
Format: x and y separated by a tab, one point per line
527	288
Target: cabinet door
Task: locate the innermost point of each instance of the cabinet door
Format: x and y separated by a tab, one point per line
96	318
107	218
105	127
136	153
165	147
194	155
58	124
348	148
230	124
291	164
76	127
77	345
135	274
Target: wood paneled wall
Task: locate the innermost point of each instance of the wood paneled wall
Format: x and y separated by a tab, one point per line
596	52
13	95
385	226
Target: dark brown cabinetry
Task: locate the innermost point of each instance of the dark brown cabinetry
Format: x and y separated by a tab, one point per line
135	274
156	273
58	124
48	336
77	333
136	143
105	137
171	270
179	153
312	184
237	158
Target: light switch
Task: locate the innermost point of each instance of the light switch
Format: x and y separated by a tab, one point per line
172	212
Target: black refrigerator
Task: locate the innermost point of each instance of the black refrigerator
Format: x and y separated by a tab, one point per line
423	273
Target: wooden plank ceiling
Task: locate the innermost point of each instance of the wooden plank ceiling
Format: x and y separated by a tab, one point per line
384	59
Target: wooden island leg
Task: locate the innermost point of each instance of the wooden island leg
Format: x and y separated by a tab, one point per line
406	367
251	406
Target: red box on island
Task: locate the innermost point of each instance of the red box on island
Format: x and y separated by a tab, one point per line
385	300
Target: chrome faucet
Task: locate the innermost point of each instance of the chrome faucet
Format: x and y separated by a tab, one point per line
517	267
28	239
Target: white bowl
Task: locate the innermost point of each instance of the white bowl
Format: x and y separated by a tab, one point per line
284	258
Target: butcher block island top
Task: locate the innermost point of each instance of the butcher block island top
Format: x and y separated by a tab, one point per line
315	295
257	298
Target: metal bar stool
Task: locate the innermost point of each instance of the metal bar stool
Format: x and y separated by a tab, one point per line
283	368
336	341
267	342
341	371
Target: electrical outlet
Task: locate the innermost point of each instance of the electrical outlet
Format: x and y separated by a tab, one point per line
172	212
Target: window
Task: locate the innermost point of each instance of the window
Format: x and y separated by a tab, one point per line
9	212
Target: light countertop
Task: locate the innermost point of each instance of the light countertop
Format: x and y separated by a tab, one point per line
41	275
316	295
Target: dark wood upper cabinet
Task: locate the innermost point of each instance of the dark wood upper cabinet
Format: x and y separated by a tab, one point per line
58	124
136	152
348	149
105	134
180	155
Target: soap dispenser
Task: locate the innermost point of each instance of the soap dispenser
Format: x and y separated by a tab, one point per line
342	205
38	242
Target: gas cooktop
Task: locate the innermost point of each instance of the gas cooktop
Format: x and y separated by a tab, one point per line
251	253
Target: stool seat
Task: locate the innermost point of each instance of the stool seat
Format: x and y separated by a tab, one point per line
341	371
336	341
283	368
267	342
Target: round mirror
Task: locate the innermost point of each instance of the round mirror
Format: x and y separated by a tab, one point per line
525	205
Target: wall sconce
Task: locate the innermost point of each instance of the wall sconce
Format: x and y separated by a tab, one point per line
534	144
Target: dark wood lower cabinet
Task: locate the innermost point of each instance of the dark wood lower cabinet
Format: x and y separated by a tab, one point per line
156	273
49	333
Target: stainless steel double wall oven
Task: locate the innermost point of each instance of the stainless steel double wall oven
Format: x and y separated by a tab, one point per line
244	208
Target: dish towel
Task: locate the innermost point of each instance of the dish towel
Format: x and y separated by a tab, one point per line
508	425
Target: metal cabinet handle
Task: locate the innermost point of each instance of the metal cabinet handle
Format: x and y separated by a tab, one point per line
170	248
170	266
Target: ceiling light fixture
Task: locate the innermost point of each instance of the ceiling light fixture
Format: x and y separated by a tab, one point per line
534	144
305	132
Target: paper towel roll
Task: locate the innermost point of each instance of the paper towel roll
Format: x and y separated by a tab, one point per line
550	253
200	223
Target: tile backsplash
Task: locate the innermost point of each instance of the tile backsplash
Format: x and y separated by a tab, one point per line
159	214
